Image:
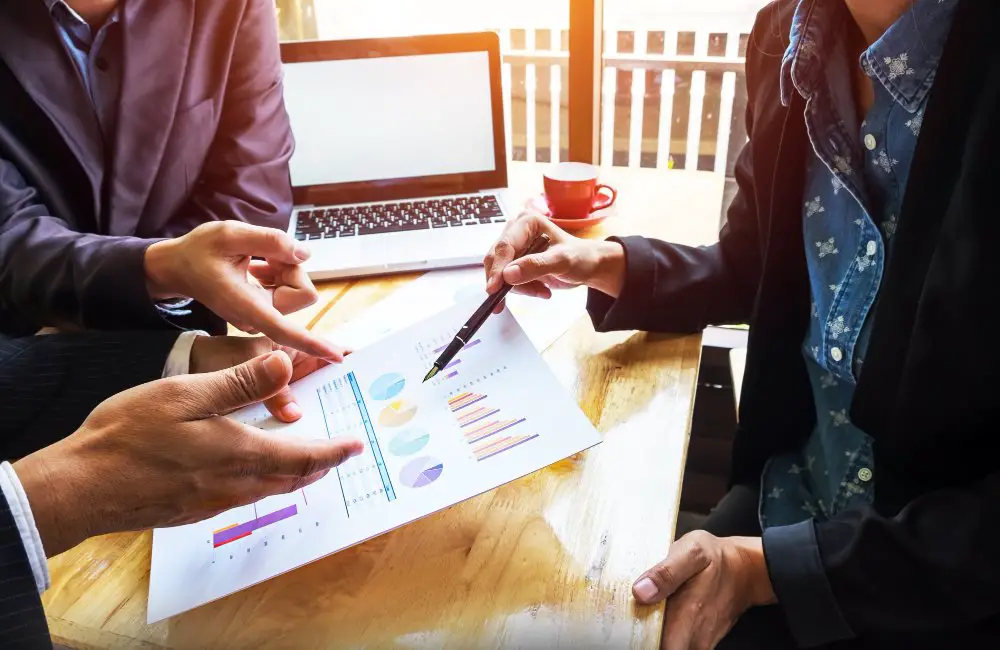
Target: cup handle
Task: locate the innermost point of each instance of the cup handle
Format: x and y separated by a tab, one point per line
605	198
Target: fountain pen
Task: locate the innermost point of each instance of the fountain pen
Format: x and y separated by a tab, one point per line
479	317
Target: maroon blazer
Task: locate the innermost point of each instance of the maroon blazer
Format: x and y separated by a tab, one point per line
202	135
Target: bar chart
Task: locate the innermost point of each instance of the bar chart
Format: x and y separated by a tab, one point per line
483	426
232	533
429	351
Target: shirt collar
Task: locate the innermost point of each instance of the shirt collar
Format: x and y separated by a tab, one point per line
904	59
816	25
59	10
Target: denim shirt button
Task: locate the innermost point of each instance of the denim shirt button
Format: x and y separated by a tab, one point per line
870	142
837	354
872	249
864	474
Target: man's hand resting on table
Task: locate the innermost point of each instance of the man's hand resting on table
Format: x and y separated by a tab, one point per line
212	264
708	582
211	353
161	454
568	262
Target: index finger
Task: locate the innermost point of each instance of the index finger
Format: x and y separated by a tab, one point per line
514	240
270	243
283	331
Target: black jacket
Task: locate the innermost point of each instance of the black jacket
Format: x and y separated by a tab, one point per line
923	564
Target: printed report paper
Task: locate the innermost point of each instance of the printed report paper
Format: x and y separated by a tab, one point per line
495	414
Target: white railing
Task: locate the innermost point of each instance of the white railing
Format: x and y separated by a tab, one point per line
669	63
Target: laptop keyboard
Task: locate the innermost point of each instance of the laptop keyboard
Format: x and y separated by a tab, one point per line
353	221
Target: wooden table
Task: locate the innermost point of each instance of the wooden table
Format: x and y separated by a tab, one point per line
545	561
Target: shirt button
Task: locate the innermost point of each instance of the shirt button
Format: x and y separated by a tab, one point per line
864	474
837	354
870	142
872	249
101	64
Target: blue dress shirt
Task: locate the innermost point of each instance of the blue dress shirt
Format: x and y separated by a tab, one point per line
855	179
98	58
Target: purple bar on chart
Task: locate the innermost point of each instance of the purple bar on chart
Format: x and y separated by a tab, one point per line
467	346
503	449
449	376
231	534
453	364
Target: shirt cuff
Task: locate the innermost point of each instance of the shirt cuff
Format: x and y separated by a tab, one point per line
176	308
801	585
20	510
179	359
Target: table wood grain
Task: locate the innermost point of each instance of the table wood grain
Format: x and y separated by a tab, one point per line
545	561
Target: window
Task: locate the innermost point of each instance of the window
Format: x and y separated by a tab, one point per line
674	91
534	41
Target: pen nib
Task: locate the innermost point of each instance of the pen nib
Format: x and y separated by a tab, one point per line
433	371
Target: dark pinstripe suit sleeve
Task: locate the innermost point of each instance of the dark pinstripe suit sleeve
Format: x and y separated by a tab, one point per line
22	619
49	384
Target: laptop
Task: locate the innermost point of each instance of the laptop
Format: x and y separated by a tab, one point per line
400	159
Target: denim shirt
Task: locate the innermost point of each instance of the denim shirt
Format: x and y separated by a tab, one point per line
856	176
97	57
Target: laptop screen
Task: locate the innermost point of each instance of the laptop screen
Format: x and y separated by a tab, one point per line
396	117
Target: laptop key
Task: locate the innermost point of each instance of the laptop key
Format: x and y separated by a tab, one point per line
414	226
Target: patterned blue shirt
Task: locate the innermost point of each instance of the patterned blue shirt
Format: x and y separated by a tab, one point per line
856	176
97	57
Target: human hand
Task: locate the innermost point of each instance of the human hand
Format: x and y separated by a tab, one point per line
568	261
212	264
708	582
212	353
163	454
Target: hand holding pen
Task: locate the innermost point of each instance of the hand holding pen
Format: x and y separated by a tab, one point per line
472	326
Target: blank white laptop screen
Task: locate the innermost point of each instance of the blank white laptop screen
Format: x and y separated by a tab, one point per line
395	117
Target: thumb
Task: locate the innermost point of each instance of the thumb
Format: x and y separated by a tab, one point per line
224	391
686	559
533	267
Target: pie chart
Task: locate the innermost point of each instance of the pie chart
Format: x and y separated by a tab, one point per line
397	414
409	442
421	471
387	386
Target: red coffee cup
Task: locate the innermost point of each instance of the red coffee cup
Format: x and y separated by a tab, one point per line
572	191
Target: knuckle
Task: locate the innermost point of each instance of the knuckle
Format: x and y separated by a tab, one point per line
663	575
242	383
700	543
503	249
308	466
275	237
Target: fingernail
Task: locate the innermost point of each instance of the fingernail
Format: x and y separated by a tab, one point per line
357	449
302	252
291	411
274	367
645	590
512	274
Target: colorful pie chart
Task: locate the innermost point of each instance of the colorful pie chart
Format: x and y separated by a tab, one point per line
387	386
397	414
421	471
409	442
